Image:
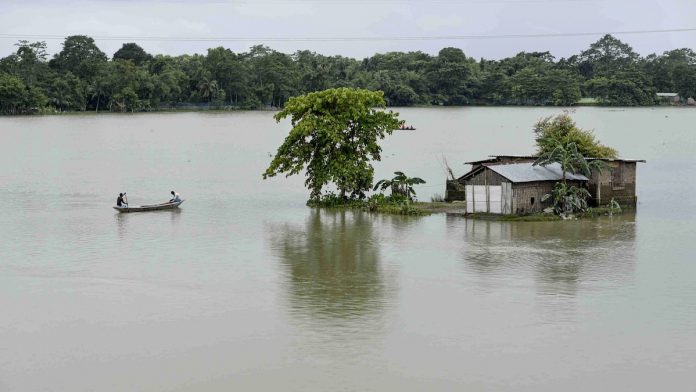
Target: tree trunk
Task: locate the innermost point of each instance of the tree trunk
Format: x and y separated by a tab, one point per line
315	194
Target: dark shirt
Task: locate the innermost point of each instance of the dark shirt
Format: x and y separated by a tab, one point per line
119	201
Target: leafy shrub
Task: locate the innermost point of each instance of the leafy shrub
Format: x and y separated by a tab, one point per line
567	200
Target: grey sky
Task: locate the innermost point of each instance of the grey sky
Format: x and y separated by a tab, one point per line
353	18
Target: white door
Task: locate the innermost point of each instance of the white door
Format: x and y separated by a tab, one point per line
480	202
469	189
495	198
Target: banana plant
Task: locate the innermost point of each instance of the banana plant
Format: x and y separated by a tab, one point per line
567	200
400	184
570	160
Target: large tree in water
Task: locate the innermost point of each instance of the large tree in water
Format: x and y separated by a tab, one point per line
334	136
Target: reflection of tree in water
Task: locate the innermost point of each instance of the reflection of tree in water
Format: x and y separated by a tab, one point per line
332	264
559	255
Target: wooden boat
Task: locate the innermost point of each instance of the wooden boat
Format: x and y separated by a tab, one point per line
153	207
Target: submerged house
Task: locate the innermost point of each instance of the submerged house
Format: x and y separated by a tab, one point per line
515	188
511	184
617	181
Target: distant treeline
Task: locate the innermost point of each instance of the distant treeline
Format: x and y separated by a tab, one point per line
82	77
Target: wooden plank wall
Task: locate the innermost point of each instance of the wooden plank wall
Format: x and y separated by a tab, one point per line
603	188
486	177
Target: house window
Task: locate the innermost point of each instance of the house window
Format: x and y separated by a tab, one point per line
532	201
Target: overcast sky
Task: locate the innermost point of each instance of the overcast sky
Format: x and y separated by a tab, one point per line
258	19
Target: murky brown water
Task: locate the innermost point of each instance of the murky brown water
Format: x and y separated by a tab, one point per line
245	288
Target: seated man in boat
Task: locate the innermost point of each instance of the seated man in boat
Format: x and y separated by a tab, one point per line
120	202
175	197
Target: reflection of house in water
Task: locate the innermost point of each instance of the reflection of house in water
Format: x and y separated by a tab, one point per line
513	185
332	265
560	257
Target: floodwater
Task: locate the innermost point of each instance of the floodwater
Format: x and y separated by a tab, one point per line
245	288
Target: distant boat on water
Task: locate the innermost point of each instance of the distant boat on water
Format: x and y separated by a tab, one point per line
152	207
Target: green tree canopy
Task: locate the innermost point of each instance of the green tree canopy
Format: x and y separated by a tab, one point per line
133	52
81	56
12	93
31	61
451	77
334	136
607	57
550	132
208	89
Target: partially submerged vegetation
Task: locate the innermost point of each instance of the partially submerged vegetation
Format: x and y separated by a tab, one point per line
397	206
391	204
613	208
592	212
401	201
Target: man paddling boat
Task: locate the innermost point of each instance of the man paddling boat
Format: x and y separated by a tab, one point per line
120	202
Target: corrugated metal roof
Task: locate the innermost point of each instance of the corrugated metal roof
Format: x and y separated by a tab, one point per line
480	161
615	160
498	158
470	173
514	156
527	172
